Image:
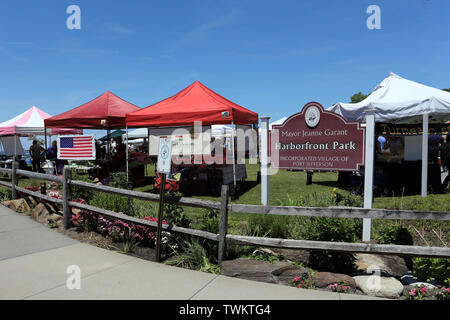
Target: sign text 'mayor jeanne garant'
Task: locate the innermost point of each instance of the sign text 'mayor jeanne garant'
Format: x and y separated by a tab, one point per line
315	139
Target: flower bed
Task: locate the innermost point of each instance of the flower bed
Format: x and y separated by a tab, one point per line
115	229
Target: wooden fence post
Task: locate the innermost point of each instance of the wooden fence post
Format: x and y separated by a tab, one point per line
14	180
223	224
67	195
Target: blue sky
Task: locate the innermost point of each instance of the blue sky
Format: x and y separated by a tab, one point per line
269	56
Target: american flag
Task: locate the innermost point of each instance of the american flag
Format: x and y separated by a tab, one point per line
76	148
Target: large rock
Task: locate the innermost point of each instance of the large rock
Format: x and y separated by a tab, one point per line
323	279
378	286
286	274
394	266
54	220
40	213
19	205
294	254
243	268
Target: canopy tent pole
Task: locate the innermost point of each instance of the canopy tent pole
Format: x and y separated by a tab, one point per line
233	153
424	155
45	140
368	170
126	139
108	137
15	147
264	157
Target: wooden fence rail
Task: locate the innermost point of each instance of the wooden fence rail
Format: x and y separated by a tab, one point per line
223	238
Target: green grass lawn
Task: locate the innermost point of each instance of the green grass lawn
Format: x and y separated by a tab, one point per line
286	186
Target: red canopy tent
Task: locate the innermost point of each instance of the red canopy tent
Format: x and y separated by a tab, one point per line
104	112
194	103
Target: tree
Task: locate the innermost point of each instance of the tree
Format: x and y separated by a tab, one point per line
358	97
448	90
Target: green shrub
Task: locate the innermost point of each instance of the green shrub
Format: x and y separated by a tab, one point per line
175	215
5	194
335	198
119	180
193	256
115	202
434	268
112	202
272	226
264	256
328	229
394	233
210	221
81	193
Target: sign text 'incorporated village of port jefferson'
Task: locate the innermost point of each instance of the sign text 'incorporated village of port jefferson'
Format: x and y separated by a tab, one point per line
316	139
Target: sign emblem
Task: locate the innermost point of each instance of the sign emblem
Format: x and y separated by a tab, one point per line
312	116
164	162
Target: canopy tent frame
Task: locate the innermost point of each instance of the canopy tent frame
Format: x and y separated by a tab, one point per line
194	103
398	100
107	111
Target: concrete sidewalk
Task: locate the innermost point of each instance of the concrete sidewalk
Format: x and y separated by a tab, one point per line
34	261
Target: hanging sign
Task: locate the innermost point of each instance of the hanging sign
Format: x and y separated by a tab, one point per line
76	147
164	155
316	139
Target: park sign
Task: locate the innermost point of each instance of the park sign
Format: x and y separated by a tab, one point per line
316	139
164	155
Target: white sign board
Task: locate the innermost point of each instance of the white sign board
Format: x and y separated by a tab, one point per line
164	155
183	142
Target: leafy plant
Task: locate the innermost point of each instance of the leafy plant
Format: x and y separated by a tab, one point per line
210	221
193	256
328	229
394	234
112	202
342	286
417	293
5	194
304	281
264	256
175	215
436	268
443	293
269	226
78	192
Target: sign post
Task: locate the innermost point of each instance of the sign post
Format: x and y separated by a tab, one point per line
368	171
264	161
163	167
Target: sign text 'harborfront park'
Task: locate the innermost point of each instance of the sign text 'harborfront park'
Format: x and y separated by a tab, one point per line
315	139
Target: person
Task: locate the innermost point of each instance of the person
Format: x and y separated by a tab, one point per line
36	155
397	146
119	157
382	144
112	146
52	151
445	159
434	169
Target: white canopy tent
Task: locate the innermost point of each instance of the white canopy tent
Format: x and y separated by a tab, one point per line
216	131
395	100
280	121
29	123
399	100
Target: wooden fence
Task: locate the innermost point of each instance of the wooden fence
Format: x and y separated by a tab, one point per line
223	238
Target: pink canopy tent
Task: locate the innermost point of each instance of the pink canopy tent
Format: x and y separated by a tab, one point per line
31	122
